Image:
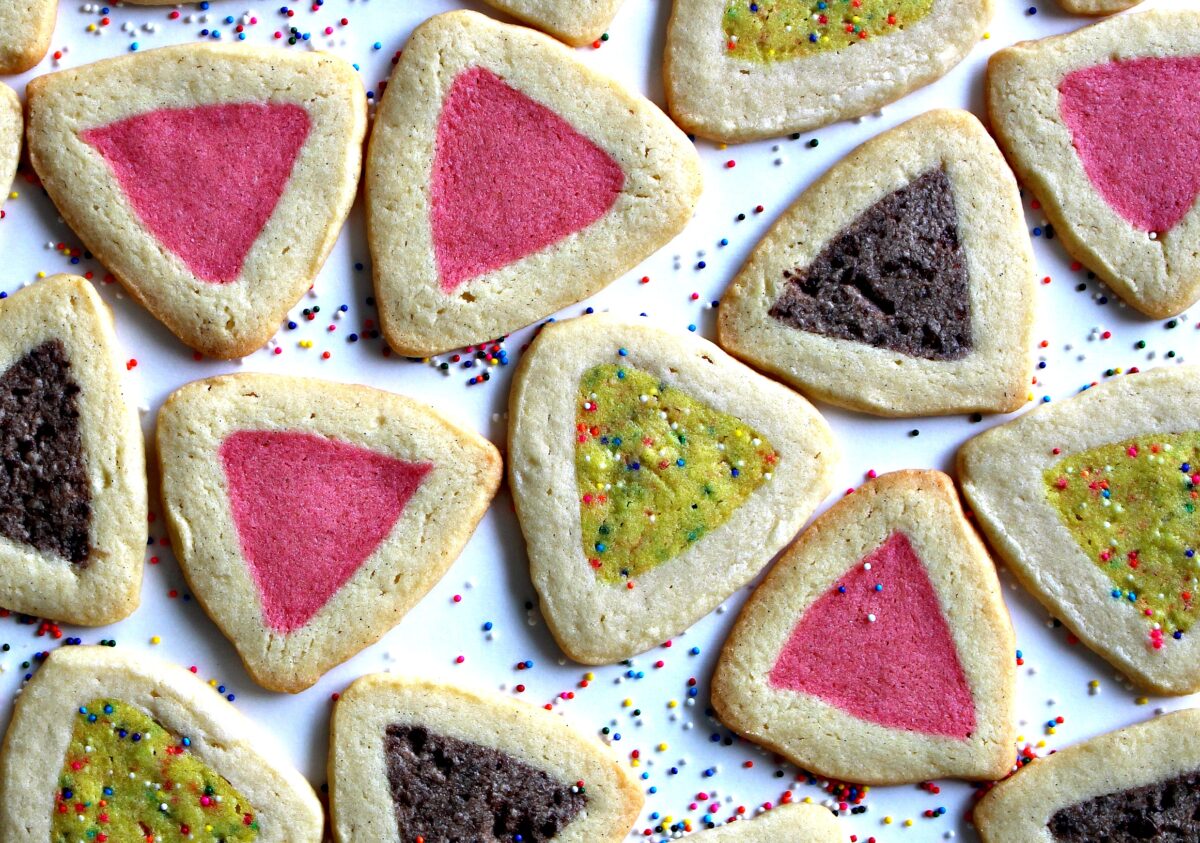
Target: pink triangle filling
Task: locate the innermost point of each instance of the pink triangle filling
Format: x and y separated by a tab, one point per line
309	511
1136	128
510	177
205	180
900	670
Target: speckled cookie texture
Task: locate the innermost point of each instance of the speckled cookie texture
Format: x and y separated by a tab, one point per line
72	460
310	516
25	30
794	823
878	649
475	214
900	283
1096	123
212	180
505	770
75	710
12	127
1067	494
653	475
1139	783
577	22
738	71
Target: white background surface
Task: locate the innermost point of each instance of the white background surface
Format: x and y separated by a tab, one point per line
491	576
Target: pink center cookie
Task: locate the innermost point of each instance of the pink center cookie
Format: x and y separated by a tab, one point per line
510	177
205	180
877	646
308	512
1136	128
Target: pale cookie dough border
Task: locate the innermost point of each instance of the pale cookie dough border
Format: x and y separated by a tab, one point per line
992	377
221	320
577	22
823	738
1018	809
44	720
12	127
713	94
25	30
1001	475
1159	277
662	186
1096	7
428	536
797	822
598	623
360	796
68	309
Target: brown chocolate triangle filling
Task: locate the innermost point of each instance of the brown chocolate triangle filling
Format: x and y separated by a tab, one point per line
446	790
894	278
45	497
1164	812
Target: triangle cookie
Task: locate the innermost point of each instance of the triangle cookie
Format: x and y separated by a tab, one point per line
72	461
411	759
110	745
25	30
653	475
224	174
1099	520
878	649
527	182
310	516
577	22
12	127
1098	123
900	283
1138	783
795	822
738	71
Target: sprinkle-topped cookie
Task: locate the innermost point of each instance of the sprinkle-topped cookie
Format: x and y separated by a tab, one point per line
657	471
107	746
1092	503
739	70
674	474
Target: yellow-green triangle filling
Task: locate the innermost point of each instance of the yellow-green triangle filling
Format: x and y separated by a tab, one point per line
126	778
1131	506
656	470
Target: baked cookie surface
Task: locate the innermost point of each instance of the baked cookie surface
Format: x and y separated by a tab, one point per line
72	460
738	71
1090	503
1097	7
1138	783
577	22
891	591
796	823
105	742
1095	123
25	30
475	216
212	180
12	127
505	770
310	516
653	475
900	283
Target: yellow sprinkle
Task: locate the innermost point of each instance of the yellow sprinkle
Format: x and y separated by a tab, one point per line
91	27
1050	730
908	822
627	703
635	763
662	747
722	146
808	800
212	682
41	275
1142	700
155	640
887	820
673	704
1095	683
1041	744
589	676
987	36
306	343
13	195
